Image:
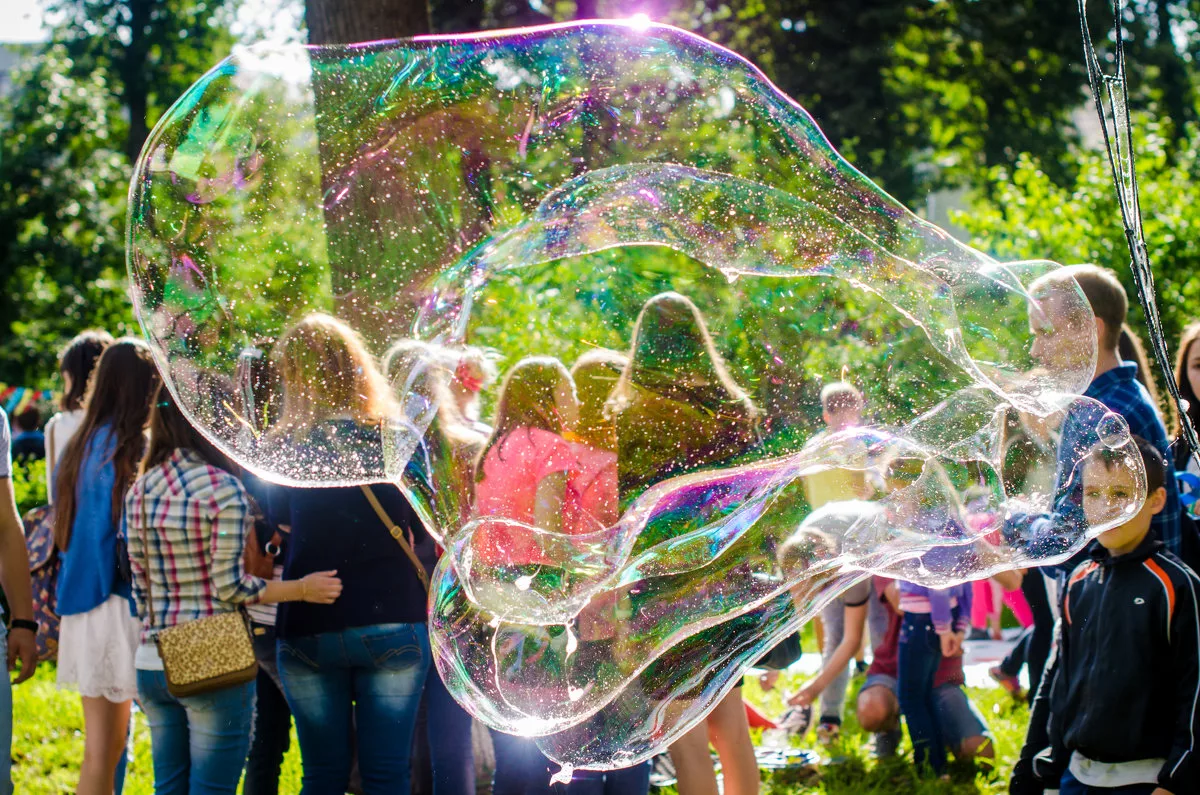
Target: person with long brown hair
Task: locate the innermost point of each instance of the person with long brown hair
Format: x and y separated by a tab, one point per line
352	671
75	365
678	410
1187	376
98	634
186	521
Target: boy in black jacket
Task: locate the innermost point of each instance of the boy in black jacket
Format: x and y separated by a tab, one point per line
1125	702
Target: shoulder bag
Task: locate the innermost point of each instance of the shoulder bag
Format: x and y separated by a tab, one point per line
398	534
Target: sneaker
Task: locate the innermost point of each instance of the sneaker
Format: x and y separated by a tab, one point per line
828	733
887	744
977	634
860	667
1011	684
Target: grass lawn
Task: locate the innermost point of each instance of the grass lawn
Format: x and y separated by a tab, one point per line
48	747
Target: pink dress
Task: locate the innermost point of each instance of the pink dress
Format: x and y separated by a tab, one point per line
594	483
512	470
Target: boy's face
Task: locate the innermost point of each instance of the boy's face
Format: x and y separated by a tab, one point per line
1108	495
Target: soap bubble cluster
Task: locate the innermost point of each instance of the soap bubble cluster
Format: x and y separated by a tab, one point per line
587	294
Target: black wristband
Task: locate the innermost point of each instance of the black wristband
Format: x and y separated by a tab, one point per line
23	623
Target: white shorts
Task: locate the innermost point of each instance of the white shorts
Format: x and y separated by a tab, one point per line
95	651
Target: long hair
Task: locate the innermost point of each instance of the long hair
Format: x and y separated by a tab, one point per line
424	372
118	396
1130	349
528	399
596	374
673	354
170	431
1191	335
327	372
78	360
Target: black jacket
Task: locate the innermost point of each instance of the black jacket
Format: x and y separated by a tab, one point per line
1127	684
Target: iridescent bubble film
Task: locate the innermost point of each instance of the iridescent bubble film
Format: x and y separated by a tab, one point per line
587	294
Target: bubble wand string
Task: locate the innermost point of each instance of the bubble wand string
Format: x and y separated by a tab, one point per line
1110	92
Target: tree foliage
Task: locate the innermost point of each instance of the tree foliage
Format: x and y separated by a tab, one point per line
79	112
1029	216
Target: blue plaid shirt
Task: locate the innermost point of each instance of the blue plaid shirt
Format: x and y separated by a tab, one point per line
1119	391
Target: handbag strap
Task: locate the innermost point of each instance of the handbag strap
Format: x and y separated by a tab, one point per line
398	534
146	559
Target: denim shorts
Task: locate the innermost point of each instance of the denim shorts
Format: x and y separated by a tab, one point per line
958	718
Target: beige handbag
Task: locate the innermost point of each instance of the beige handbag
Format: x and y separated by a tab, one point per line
207	654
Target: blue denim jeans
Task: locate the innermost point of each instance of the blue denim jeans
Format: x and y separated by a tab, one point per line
521	767
198	743
920	653
625	781
6	723
443	757
364	682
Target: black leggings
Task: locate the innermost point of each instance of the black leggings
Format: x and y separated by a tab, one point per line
1033	646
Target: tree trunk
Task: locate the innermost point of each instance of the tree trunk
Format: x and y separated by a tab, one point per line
133	76
350	21
368	206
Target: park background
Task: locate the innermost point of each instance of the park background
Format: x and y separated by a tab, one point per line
973	113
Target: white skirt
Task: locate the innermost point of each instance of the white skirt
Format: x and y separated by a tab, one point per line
95	651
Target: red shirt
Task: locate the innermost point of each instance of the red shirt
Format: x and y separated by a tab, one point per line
950	670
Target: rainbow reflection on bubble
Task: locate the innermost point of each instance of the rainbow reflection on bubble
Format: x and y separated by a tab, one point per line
666	262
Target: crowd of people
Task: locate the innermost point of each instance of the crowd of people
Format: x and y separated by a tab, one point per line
157	529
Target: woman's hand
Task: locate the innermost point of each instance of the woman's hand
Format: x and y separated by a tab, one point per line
320	587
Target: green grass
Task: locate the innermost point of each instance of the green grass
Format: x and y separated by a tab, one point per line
48	747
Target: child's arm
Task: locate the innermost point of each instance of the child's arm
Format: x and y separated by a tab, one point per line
1181	773
852	634
962	624
939	610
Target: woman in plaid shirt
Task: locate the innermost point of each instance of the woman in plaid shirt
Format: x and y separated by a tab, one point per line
186	521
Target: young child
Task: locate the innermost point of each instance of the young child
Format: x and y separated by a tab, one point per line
1123	702
933	625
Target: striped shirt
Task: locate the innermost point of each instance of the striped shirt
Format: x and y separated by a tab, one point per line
1118	391
196	521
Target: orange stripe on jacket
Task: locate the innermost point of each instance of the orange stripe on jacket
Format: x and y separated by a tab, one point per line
1158	572
1080	573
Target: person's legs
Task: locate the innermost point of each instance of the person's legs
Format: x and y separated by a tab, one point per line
449	730
105	725
919	655
317	684
627	781
693	763
169	747
521	767
272	720
6	724
729	732
1042	637
963	728
878	711
833	618
219	732
389	666
270	739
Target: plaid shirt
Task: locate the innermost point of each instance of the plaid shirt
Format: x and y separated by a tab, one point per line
198	517
1119	391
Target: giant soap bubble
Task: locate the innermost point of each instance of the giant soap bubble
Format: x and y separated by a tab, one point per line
334	251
